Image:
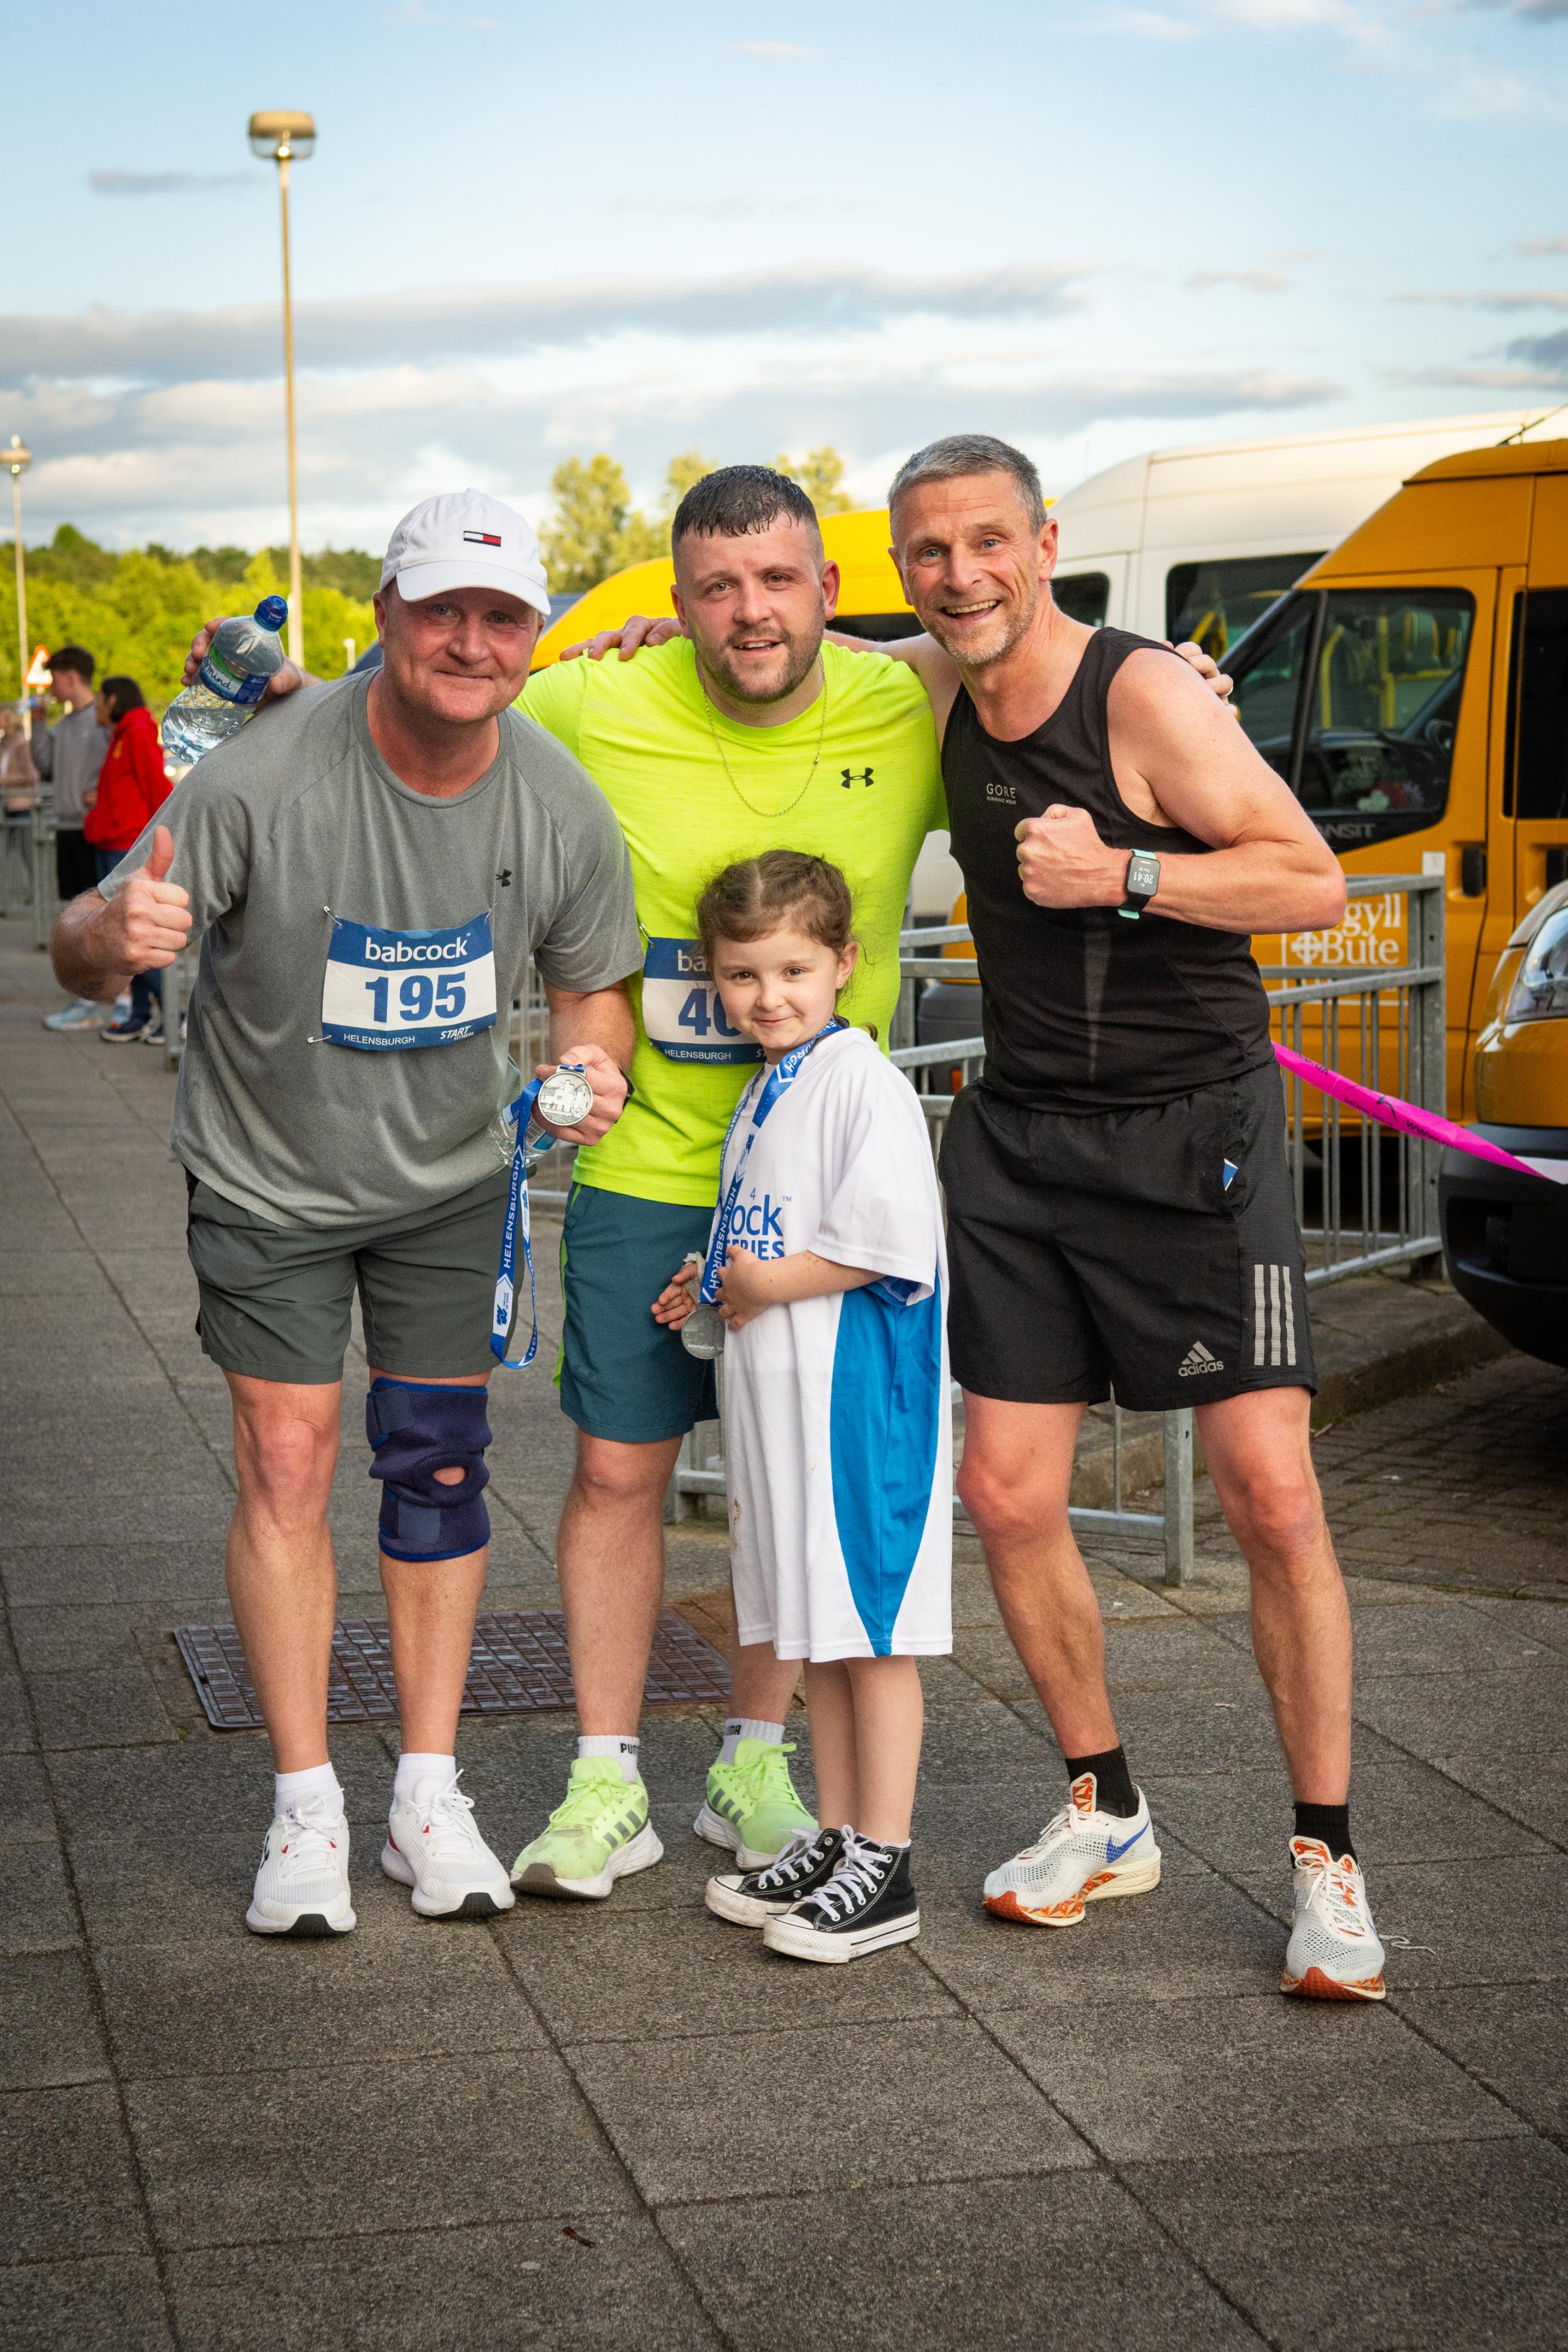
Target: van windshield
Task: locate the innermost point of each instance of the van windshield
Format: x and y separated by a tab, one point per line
1212	605
1352	697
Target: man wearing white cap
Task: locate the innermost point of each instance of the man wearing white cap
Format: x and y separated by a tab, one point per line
370	873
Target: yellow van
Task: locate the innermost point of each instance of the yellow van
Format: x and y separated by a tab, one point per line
870	598
1413	691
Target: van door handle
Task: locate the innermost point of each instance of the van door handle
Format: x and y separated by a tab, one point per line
1473	870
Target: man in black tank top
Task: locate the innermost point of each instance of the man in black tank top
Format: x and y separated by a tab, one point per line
1120	1206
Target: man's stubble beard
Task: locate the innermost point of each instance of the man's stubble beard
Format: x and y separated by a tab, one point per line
1014	628
803	652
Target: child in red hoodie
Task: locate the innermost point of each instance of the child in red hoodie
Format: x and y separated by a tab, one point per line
131	786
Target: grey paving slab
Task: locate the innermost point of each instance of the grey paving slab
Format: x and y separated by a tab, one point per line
1545	1622
1194	1933
1399	1813
151	1579
1531	1786
947	2267
211	1780
75	1283
17	1734
687	1973
611	2285
1511	1928
1513	2038
820	2110
1164	1652
191	1887
1439	1637
51	1636
52	2034
26	1814
232	2006
1208	2078
1166	1731
1525	1708
977	1742
71	2187
104	2306
1437	2249
35	1911
89	1517
107	1706
498	2136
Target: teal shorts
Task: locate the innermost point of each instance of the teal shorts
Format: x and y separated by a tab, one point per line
621	1374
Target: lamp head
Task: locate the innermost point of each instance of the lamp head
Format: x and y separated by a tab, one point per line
277	136
18	457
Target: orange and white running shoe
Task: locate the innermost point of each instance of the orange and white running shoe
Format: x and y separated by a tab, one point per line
1333	1953
1081	1855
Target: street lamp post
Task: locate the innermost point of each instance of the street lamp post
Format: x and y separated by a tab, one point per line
17	461
281	138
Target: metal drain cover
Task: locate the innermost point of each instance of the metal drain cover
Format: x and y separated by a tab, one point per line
519	1666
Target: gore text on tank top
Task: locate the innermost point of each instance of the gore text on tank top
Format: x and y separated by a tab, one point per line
1082	1008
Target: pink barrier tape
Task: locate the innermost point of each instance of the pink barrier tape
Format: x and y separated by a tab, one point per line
1390	1111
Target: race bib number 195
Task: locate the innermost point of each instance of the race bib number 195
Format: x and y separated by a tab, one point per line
681	1009
386	988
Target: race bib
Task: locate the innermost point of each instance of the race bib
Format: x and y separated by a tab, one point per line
681	1010
384	989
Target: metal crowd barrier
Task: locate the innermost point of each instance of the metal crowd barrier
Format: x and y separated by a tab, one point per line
27	871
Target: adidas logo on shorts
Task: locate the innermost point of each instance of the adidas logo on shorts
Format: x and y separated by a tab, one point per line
1198	1359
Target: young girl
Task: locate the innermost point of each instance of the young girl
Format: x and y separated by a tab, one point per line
824	1281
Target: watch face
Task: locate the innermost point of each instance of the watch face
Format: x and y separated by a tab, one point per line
1144	874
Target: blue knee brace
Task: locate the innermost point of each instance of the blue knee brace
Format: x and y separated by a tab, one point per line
416	1428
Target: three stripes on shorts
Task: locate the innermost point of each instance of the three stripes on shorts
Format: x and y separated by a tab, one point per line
1273	1316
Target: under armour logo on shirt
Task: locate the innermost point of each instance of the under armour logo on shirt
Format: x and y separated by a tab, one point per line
504	878
851	777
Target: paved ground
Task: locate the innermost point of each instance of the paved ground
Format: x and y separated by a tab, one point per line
628	2127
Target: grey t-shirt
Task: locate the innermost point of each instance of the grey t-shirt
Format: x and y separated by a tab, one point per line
335	904
68	755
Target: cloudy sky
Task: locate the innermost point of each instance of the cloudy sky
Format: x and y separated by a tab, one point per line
528	232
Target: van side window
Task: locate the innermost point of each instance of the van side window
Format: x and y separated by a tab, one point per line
1353	696
1537	756
1083	596
1214	603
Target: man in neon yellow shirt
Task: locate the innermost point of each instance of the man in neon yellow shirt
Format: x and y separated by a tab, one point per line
749	733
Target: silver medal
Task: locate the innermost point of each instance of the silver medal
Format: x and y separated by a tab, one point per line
565	1098
702	1333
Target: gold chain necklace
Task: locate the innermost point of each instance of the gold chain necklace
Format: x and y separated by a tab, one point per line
770	815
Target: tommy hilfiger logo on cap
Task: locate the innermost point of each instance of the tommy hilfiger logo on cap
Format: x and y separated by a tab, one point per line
483	538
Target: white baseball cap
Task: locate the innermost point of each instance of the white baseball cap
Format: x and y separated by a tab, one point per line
465	539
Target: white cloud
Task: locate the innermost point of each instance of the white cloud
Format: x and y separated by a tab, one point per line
1535	12
1543	300
167	183
770	49
1287	16
1251	281
1544	244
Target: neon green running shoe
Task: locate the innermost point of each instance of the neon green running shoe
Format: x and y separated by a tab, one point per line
752	1806
598	1832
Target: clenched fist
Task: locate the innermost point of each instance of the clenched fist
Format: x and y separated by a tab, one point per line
144	927
1062	861
608	1081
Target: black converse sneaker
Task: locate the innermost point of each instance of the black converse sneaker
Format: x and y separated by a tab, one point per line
755	1896
867	1904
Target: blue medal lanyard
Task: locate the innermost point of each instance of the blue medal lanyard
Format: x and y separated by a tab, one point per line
783	1074
517	1221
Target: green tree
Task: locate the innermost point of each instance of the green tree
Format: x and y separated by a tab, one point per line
682	474
820	474
587	539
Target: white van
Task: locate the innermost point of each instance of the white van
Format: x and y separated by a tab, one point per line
1197	542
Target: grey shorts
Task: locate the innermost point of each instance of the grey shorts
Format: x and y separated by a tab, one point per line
276	1299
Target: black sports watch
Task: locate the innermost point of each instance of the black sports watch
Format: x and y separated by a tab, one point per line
1142	881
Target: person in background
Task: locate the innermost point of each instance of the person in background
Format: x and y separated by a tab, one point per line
68	756
18	774
130	786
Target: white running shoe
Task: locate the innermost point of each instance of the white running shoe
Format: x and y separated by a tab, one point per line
302	1885
1333	1953
81	1013
433	1846
1081	1855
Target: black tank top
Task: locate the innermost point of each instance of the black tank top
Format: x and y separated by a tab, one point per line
1084	1010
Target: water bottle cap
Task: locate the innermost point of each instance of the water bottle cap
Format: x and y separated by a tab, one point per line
272	612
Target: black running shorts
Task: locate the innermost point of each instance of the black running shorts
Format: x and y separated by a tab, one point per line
1111	1249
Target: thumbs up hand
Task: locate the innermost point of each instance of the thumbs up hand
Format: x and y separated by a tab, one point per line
146	925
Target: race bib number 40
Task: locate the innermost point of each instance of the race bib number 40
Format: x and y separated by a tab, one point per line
682	1011
386	989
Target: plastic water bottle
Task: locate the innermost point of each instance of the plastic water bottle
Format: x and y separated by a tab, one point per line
244	654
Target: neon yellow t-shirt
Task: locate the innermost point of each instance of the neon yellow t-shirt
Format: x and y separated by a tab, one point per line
642	729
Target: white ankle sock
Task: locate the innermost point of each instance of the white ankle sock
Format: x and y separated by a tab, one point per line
297	1788
747	1726
414	1766
615	1744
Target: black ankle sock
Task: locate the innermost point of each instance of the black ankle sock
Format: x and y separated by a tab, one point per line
1113	1782
1329	1822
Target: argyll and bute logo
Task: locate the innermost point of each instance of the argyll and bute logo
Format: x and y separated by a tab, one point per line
1198	1359
482	538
